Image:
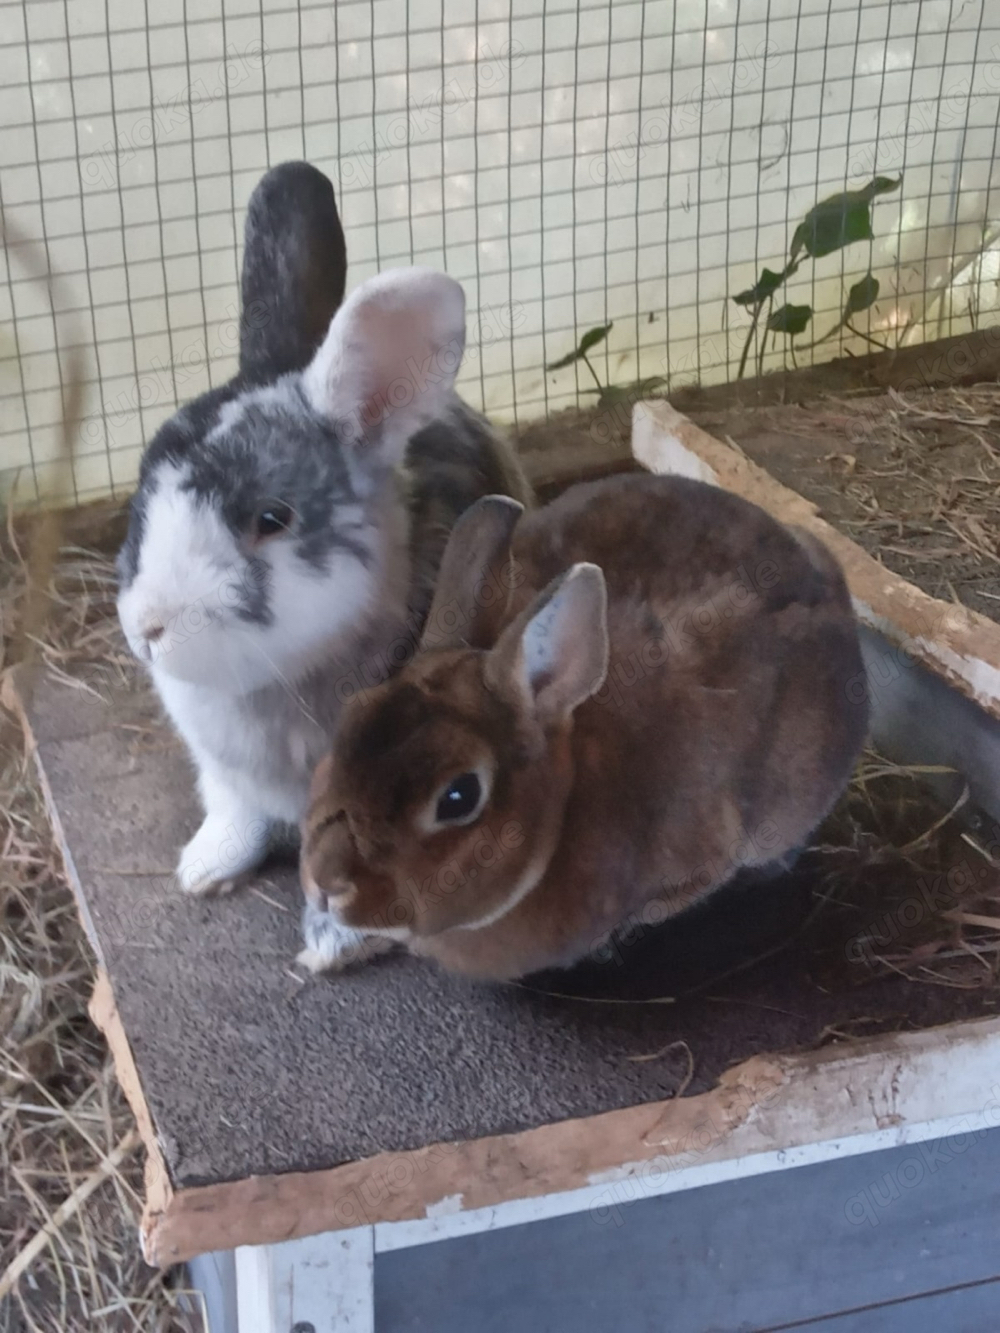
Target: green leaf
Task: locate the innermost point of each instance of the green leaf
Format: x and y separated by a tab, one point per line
861	296
790	319
840	220
827	229
589	340
766	285
882	185
567	360
594	337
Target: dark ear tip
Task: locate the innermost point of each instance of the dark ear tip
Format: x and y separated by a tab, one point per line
496	508
584	575
294	270
300	179
502	504
587	573
494	514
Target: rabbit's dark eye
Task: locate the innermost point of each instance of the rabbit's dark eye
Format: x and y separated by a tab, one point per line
460	799
274	519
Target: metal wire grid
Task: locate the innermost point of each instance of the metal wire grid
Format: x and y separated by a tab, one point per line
571	164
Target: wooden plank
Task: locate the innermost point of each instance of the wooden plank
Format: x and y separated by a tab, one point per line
891	1090
551	471
966	358
159	1190
916	648
959	644
199	970
210	996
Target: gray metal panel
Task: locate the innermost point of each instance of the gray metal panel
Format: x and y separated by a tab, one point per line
782	1249
919	719
214	1276
966	1310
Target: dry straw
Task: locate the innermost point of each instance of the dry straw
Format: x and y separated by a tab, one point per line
70	1169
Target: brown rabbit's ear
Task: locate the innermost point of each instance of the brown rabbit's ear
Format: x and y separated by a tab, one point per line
555	654
474	575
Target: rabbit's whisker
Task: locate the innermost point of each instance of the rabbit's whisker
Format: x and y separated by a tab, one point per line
286	684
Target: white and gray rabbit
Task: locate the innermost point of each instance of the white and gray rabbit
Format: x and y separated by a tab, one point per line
285	534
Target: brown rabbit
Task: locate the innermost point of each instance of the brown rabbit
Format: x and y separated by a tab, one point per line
620	700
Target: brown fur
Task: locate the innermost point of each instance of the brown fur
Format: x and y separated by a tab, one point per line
721	735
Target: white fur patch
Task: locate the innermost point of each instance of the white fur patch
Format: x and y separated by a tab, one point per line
189	580
331	947
231	413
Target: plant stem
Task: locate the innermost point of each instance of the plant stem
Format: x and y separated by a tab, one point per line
790	268
586	362
763	341
750	332
868	339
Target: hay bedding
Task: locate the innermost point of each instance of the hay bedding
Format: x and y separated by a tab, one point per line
913	478
70	1165
70	1159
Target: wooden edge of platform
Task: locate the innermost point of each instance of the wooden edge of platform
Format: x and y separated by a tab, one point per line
853	1097
892	1089
872	1093
959	644
159	1192
102	1008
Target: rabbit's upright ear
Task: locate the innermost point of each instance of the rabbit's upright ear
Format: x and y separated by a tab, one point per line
388	364
476	576
294	271
555	654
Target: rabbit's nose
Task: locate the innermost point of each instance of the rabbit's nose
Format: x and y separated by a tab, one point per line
338	893
153	631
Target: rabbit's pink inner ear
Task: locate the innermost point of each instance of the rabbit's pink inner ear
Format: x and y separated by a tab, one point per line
391	355
556	652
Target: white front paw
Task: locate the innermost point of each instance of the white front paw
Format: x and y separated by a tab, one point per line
331	947
219	853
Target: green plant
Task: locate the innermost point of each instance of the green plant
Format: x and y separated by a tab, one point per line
589	340
607	393
828	226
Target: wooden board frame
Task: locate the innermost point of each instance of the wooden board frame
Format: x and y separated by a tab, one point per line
959	644
767	1113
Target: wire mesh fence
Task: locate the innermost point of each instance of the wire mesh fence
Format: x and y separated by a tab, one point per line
633	163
